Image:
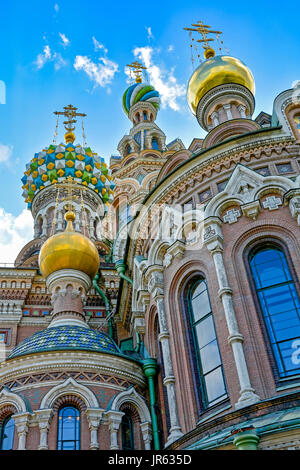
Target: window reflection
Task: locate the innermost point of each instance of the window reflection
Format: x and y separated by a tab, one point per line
127	433
280	305
209	363
7	434
68	428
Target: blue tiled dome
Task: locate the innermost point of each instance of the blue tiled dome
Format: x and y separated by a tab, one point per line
66	337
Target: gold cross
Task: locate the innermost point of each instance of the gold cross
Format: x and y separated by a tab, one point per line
70	113
204	30
137	68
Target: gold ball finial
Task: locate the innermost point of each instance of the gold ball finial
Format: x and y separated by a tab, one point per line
209	53
69	137
70	216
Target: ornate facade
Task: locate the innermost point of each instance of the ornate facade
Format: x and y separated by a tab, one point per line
158	304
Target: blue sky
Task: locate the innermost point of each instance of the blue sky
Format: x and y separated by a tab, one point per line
53	53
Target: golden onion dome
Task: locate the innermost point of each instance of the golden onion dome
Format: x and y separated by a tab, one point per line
69	250
216	71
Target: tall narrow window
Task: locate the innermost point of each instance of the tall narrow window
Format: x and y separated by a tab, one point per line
7	434
127	433
279	302
209	369
68	437
155	145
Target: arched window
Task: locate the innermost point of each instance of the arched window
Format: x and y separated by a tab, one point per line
280	306
155	145
207	362
127	433
7	434
68	436
128	149
145	115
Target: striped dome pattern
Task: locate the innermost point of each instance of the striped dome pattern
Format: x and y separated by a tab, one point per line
140	92
57	162
65	337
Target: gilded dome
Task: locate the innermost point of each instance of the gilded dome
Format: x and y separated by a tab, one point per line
69	250
216	71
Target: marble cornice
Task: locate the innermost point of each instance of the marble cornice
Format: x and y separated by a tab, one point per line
112	365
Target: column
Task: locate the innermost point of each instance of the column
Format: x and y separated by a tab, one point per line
60	221
246	441
44	419
214	243
114	421
21	423
155	287
242	111
147	434
227	109
44	227
215	118
94	417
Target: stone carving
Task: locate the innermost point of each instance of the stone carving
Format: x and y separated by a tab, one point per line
272	203
231	216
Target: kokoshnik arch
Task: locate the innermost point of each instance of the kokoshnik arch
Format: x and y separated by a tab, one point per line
187	337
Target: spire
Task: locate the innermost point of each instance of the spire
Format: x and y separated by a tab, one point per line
70	113
204	30
137	68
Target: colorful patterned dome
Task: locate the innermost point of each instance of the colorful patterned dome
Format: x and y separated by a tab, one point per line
140	92
66	338
55	163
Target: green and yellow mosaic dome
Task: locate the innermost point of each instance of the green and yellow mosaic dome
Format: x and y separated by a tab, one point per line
58	162
66	338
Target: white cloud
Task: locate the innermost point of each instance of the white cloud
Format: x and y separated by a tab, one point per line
56	7
171	48
65	40
15	232
5	152
98	45
101	73
149	31
164	82
48	56
44	57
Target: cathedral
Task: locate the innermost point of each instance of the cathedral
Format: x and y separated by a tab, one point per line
157	306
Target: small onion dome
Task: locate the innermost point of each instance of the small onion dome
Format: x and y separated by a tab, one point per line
69	250
65	338
140	92
215	71
58	162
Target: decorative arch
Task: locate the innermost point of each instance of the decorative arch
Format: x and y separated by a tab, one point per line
173	162
11	399
132	397
69	387
245	186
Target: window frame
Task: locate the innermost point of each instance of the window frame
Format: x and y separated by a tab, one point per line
277	243
131	429
59	442
202	401
3	424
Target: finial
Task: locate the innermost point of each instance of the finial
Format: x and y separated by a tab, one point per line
137	69
204	30
69	218
69	112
